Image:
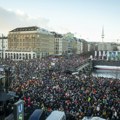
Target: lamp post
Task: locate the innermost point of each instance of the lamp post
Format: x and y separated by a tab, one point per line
2	38
2	46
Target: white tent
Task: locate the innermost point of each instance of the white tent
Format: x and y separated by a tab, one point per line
93	118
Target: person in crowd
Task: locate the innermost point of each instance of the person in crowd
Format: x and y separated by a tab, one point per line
44	85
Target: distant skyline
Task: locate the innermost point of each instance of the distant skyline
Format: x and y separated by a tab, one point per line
84	18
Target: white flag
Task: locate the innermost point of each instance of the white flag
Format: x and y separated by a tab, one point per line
99	53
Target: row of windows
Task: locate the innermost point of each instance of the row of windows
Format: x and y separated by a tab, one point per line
3	42
4	46
19	35
22	40
22	44
23	56
18	56
22	49
27	36
30	40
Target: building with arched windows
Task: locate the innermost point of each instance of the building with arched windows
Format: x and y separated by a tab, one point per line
34	42
19	55
29	42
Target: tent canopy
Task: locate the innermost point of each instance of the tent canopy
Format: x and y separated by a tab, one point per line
36	114
92	118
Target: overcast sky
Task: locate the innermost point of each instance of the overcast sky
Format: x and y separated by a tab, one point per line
84	18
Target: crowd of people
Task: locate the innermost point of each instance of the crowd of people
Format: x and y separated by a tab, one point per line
44	84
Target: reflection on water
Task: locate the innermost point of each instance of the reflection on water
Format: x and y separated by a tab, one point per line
107	73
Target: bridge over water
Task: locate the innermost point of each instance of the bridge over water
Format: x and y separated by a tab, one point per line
89	65
111	69
85	67
105	62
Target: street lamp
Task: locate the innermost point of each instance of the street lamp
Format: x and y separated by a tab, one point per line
2	38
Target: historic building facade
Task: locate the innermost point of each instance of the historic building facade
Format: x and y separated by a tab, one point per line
3	45
35	41
60	44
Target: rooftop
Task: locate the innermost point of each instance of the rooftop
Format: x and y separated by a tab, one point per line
57	35
31	28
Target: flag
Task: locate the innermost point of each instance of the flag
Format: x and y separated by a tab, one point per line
119	55
95	53
89	99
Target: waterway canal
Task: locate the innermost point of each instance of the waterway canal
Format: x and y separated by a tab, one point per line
107	73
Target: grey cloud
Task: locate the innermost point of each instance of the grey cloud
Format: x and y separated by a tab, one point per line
11	19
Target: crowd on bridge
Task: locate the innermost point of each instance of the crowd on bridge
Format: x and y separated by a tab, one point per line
44	84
